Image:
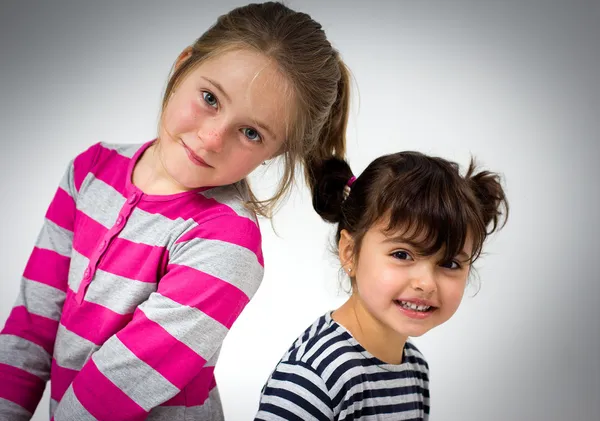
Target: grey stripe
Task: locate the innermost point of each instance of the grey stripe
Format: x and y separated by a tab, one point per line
41	299
67	182
78	264
232	196
127	150
53	405
188	325
153	229
168	413
21	353
55	238
71	409
101	202
13	412
229	262
144	385
119	294
210	410
71	350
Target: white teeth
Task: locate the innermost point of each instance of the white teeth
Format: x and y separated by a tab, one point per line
414	306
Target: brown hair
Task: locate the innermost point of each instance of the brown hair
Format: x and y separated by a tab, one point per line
319	78
425	197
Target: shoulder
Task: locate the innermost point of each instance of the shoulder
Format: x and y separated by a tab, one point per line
323	347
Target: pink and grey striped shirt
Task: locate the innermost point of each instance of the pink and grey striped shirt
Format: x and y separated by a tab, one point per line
127	297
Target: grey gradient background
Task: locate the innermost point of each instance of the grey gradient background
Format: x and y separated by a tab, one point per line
513	82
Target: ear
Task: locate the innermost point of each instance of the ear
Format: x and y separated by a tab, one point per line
346	249
185	54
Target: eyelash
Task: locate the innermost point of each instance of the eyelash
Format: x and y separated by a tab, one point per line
458	265
215	106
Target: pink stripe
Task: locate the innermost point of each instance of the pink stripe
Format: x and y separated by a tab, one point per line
196	392
48	267
231	229
134	260
83	164
112	168
91	321
20	387
88	233
61	380
218	299
103	399
123	257
62	210
152	344
37	329
195	207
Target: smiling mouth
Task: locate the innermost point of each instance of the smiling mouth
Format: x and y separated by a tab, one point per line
195	158
418	308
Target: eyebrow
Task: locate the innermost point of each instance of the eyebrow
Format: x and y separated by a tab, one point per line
463	256
263	126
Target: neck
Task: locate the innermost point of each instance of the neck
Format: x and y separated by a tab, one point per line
377	338
150	175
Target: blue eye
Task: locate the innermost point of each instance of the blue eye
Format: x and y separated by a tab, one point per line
210	99
402	255
251	134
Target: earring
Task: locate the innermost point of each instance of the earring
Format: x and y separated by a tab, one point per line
349	269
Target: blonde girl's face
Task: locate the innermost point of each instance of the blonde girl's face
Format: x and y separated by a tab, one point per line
225	118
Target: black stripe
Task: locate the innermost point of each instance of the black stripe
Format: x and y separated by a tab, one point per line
296	399
384	409
391	392
361	378
303	382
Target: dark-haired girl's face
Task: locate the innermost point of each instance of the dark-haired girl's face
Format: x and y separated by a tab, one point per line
403	291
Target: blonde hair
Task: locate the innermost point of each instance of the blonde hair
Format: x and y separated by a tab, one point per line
319	79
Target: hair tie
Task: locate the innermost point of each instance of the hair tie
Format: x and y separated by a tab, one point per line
347	187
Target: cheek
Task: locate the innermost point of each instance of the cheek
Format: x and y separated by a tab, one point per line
183	113
451	295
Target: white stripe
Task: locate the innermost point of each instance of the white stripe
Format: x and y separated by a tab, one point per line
200	332
21	353
138	380
298	390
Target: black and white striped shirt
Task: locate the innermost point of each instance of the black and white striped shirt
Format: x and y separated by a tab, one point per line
328	375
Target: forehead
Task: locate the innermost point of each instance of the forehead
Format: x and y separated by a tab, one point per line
253	82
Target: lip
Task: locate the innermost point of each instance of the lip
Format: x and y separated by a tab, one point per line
196	160
414	314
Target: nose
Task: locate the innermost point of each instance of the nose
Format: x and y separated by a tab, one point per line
212	136
424	279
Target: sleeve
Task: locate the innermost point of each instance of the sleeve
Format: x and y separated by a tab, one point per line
27	339
426	395
295	392
212	273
